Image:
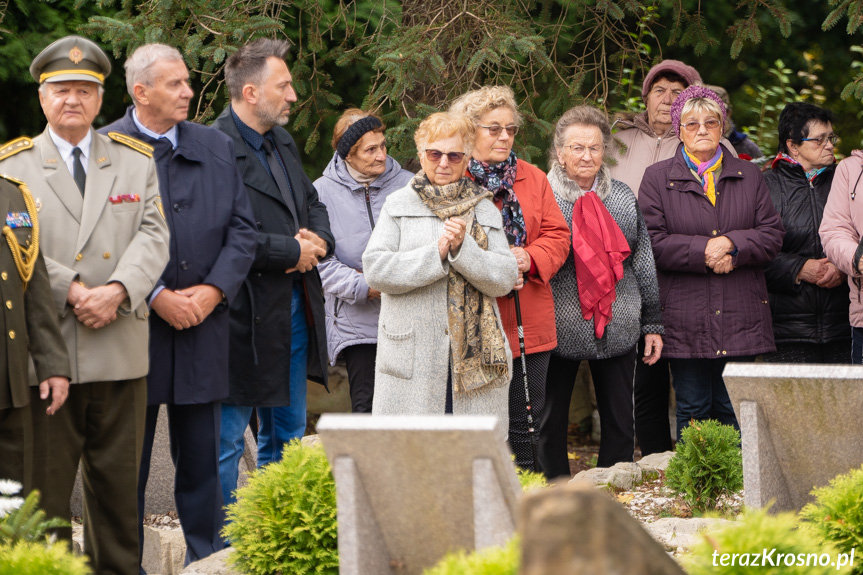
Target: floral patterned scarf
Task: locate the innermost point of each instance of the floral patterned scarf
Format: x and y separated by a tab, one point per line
499	179
476	340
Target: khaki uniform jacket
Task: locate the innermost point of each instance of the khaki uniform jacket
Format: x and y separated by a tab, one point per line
27	318
115	233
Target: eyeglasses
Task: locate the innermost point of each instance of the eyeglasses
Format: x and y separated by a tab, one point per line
822	140
578	150
494	130
710	124
451	157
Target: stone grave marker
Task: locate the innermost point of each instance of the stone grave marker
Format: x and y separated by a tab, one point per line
410	489
800	427
578	529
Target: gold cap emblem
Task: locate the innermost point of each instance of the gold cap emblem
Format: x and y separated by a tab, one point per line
76	55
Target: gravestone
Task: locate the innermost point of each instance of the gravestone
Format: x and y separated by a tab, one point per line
410	489
800	427
577	529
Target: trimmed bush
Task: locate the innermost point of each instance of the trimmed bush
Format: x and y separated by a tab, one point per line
31	558
489	561
707	464
284	520
762	544
837	514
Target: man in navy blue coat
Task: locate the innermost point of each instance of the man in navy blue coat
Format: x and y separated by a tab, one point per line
212	248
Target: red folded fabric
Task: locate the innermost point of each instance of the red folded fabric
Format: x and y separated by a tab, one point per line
599	248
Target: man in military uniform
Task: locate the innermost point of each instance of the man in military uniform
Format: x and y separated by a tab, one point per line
105	242
27	316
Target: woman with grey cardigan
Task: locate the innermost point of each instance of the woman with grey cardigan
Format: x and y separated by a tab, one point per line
439	257
605	296
354	186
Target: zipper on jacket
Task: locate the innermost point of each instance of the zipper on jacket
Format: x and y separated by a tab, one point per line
369	207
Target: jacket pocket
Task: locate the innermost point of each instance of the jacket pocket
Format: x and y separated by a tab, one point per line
396	353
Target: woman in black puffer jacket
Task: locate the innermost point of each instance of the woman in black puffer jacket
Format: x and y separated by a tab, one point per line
808	295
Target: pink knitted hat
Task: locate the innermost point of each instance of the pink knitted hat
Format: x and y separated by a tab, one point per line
688	73
688	94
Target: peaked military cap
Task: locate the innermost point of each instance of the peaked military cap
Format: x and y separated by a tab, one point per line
71	58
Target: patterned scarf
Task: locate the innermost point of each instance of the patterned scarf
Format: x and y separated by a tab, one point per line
705	171
476	340
499	179
810	175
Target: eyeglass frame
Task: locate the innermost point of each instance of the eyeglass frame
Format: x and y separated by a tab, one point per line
599	149
697	125
822	141
495	130
431	152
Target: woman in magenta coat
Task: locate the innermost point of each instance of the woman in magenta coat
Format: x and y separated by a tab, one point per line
713	228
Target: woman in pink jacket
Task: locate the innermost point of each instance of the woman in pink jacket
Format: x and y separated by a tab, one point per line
840	235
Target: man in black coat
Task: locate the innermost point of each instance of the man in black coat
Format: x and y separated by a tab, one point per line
278	334
212	247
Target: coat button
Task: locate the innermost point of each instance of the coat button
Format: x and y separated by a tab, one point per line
718	352
184	265
79	257
724	352
714	232
8	304
718	312
106	255
259	224
176	207
257	274
671	184
257	319
11	334
4	276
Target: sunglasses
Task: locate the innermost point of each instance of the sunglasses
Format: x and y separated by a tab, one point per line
709	124
494	131
451	157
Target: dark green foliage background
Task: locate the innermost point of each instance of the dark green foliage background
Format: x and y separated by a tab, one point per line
407	58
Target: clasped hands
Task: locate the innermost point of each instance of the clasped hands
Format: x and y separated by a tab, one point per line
821	273
717	255
96	307
312	250
453	236
186	307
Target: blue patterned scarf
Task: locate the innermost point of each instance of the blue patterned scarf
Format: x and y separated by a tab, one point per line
499	179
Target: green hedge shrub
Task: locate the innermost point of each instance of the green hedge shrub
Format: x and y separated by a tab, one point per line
757	535
27	522
490	561
837	514
284	520
32	558
707	464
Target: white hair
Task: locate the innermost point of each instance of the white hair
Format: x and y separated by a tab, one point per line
139	66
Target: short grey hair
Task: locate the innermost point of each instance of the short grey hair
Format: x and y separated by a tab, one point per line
248	65
580	116
139	66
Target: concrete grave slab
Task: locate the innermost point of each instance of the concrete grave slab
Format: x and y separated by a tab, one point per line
410	489
800	427
577	529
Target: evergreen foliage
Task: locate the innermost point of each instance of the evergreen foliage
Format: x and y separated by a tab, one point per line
755	536
284	520
707	464
490	561
29	558
27	523
837	513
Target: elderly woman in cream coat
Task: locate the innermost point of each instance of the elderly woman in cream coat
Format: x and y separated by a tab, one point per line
440	258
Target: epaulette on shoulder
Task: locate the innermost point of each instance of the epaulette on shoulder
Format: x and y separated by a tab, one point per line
15	146
133	143
15	181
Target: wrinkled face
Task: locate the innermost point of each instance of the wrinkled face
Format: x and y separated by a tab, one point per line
814	154
700	133
443	171
659	100
167	100
369	156
494	149
581	154
275	94
70	107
